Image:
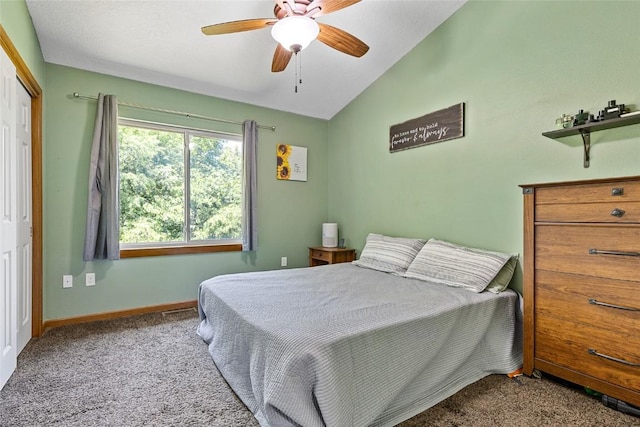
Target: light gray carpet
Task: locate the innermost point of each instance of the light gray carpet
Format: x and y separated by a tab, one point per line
152	370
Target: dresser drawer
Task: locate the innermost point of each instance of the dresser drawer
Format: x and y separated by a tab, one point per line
592	301
589	351
608	251
625	191
614	212
322	255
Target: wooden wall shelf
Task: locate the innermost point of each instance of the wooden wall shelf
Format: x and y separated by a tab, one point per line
586	129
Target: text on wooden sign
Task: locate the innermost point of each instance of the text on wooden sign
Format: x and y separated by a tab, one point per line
438	126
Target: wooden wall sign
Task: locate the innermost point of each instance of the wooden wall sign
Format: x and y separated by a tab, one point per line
434	127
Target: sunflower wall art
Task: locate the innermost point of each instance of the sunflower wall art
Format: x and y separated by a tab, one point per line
291	162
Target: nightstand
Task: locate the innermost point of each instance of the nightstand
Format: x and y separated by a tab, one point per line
322	256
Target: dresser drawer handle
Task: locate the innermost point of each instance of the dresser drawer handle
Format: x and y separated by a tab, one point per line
605	304
617	213
615	359
617	191
618	253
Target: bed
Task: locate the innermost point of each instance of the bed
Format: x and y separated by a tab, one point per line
342	345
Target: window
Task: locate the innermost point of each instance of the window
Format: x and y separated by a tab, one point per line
178	187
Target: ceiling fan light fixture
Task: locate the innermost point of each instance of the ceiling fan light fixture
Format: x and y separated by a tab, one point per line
295	33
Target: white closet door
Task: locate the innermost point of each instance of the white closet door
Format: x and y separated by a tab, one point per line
23	199
8	220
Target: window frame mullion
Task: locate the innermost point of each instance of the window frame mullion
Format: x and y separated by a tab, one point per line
187	187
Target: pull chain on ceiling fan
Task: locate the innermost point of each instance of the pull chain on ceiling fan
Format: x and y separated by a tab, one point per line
295	27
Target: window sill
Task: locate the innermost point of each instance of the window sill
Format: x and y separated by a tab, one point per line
178	250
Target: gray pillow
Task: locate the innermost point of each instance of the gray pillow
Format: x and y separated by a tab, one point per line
389	254
458	266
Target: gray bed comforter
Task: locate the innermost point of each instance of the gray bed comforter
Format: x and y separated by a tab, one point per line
342	346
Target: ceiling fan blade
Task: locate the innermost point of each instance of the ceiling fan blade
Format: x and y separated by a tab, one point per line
281	58
237	26
342	41
328	6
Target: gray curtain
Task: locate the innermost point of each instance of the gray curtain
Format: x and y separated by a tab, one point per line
249	186
102	235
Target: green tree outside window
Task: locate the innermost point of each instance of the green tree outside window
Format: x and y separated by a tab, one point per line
178	186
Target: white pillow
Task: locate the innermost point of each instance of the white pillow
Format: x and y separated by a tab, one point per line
389	254
458	266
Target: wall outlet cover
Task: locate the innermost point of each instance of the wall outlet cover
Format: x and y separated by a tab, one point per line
90	279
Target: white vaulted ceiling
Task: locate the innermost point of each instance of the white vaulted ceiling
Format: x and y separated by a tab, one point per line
160	42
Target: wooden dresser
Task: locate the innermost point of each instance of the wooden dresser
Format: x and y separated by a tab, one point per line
582	283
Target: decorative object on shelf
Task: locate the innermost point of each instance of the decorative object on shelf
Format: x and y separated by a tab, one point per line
632	113
291	162
330	235
581	118
613	116
565	121
438	126
611	111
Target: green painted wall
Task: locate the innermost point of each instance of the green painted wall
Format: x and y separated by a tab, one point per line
16	21
290	213
517	66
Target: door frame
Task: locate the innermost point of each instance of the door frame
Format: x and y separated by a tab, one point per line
35	91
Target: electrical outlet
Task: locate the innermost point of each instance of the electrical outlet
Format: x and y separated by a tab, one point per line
90	279
67	281
283	261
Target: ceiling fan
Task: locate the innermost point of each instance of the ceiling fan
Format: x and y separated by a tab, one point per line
294	27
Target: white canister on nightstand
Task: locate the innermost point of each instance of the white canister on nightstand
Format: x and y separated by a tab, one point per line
330	234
